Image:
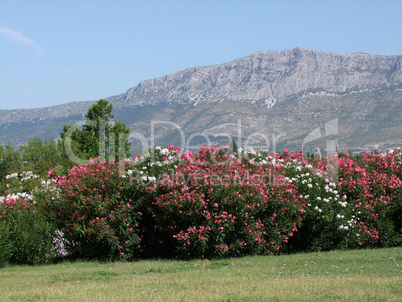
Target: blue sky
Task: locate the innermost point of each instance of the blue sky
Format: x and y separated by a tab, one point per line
54	52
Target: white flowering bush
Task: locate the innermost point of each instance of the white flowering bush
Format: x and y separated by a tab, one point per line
361	207
21	186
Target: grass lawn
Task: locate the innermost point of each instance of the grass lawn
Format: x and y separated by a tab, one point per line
359	275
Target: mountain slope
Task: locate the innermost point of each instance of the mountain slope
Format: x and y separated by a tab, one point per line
271	75
267	99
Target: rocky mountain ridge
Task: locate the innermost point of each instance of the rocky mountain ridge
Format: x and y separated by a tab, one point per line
271	76
290	93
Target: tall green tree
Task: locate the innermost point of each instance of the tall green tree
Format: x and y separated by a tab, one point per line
99	136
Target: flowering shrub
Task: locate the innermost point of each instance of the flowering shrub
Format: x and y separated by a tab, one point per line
210	204
339	213
373	187
319	229
21	186
26	233
97	218
29	237
214	205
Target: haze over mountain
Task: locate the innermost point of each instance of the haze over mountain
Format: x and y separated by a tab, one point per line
272	100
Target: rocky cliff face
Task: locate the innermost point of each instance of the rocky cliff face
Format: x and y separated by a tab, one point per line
285	94
271	76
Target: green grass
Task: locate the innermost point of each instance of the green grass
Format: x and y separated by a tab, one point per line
359	275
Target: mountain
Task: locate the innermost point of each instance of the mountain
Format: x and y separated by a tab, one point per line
271	100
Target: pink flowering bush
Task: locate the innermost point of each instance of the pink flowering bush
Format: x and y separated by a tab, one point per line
97	218
209	204
373	188
214	205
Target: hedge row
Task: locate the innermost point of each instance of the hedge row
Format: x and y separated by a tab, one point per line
209	204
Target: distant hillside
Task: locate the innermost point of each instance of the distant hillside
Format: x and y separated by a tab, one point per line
282	95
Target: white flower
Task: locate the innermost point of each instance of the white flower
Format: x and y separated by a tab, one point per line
14	175
318	209
318	198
